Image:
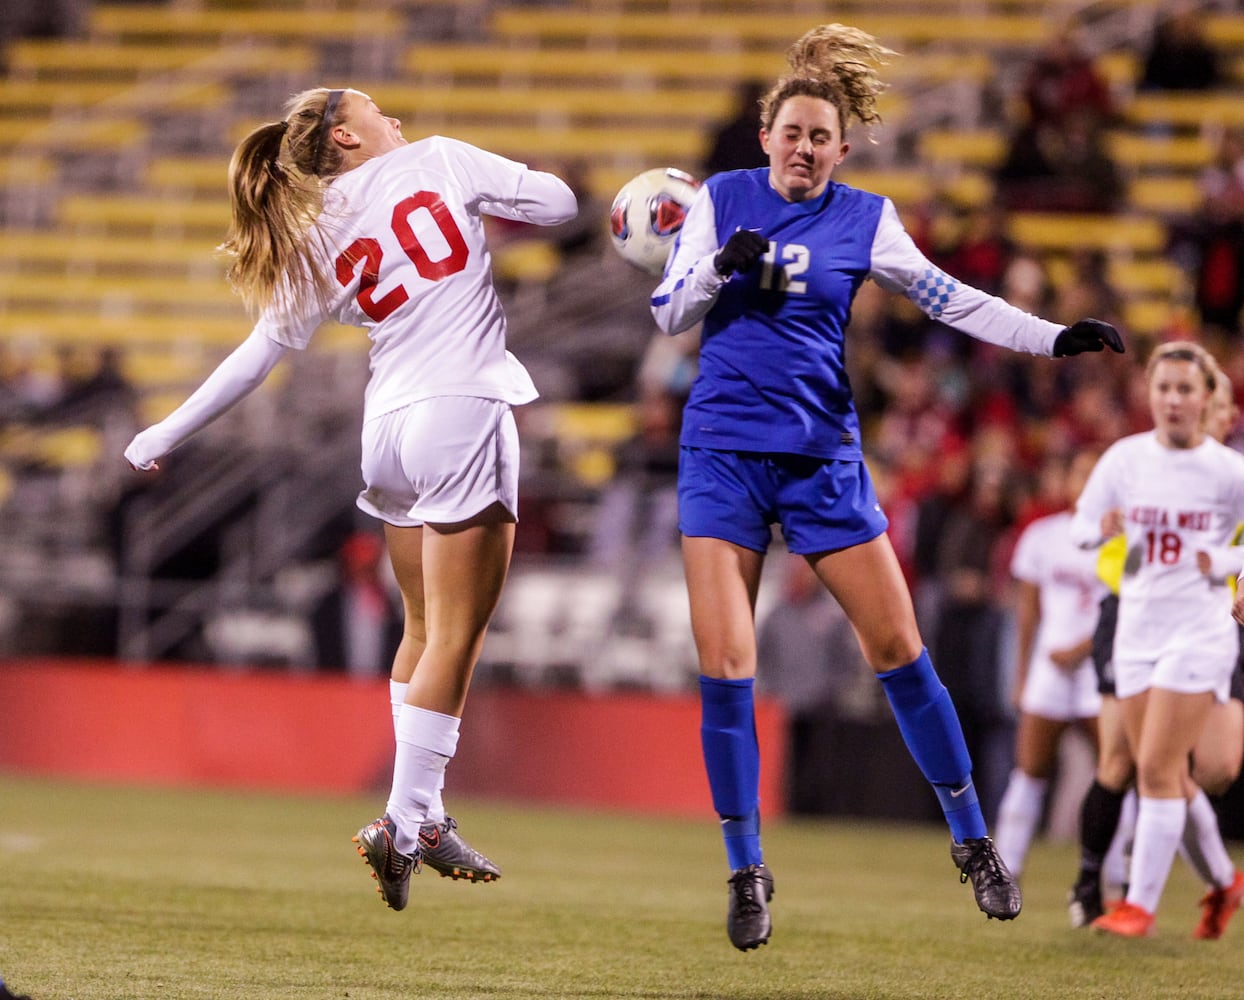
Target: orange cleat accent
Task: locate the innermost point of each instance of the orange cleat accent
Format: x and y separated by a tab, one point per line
1217	908
1125	920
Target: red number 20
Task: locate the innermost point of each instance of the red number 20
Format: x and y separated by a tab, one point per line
367	252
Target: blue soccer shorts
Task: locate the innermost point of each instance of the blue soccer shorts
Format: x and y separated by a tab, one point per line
822	505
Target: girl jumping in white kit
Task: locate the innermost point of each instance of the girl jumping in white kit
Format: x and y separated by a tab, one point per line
336	216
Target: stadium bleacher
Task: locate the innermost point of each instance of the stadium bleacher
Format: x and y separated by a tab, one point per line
115	196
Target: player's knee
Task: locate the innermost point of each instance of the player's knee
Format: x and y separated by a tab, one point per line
891	651
726	665
1115	771
1159	778
1215	776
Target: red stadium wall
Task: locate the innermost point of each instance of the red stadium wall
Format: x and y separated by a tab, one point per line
317	733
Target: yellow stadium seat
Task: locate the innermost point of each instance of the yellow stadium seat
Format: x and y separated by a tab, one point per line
912	186
741	29
101	136
1165	194
1149	152
979	148
66	59
147	368
1225	30
48	96
22	170
192	174
182	23
114	291
65	250
642	145
1187	110
132	213
493	63
533	261
1067	231
72	322
420	102
1150	317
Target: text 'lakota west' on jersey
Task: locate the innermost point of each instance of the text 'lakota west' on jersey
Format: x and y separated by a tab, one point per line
1160	517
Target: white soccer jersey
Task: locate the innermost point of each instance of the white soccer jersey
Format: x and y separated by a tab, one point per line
407	237
1174	502
1070	590
404	238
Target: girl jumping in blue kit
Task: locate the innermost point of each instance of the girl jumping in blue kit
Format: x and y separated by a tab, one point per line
770	260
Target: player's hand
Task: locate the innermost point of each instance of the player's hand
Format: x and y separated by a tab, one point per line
1237	609
1067	660
135	460
740	252
1112	523
1087	335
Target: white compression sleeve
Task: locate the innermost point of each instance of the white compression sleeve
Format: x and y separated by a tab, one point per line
234	379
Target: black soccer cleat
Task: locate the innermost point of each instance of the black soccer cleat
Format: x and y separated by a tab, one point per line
747	921
6	995
1084	903
997	892
442	849
389	866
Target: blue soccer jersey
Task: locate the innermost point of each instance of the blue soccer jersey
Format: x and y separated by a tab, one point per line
772	368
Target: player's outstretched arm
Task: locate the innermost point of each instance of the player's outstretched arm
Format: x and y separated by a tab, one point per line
234	379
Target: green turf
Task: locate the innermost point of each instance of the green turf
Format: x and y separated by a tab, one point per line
135	894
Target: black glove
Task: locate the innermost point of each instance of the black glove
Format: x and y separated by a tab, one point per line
740	252
1087	335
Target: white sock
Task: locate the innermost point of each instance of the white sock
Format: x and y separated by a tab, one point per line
1203	846
397	698
1019	813
436	808
1159	827
1115	865
425	742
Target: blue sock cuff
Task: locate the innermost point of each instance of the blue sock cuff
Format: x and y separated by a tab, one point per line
962	810
723	691
916	680
954	799
742	839
742	826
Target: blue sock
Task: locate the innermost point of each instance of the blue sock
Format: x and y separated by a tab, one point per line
930	727
732	760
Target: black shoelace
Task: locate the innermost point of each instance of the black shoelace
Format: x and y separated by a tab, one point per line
746	886
984	859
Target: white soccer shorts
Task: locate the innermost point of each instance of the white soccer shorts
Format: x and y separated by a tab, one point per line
440	460
1187	671
1052	693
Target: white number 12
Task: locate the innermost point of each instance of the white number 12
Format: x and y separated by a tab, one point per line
795	259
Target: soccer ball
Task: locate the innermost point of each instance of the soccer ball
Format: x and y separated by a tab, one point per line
648	213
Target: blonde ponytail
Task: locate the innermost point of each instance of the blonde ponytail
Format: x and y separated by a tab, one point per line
275	202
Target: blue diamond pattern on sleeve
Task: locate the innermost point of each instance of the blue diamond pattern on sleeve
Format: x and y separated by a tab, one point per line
932	291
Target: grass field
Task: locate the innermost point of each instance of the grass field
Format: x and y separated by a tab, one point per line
126	893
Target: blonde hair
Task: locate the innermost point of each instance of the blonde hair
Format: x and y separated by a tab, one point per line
835	63
276	186
1187	350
